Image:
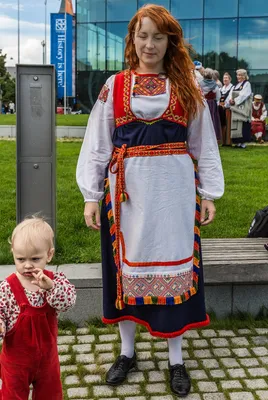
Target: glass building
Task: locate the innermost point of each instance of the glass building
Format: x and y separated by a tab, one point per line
226	35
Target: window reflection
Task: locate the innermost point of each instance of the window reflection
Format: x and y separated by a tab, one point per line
253	42
164	3
259	82
91	47
187	9
220	9
121	10
116	33
90	10
193	34
220	43
256	8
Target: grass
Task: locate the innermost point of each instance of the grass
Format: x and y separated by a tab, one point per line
61	120
245	192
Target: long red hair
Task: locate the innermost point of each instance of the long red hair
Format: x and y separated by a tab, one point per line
177	62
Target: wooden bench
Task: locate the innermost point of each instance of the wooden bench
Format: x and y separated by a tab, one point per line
236	275
235	260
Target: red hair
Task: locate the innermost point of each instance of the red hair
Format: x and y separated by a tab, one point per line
177	62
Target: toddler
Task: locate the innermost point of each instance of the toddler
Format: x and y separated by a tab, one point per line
30	300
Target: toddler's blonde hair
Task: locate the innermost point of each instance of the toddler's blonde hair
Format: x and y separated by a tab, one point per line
33	230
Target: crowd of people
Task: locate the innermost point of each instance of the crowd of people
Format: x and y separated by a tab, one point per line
8	108
238	116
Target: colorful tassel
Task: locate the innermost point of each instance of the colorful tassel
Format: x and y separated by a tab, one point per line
119	304
123	197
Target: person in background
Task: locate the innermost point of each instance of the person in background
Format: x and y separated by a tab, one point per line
212	94
12	107
259	115
134	158
240	102
199	71
216	77
225	90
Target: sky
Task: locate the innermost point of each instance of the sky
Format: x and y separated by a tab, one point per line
32	29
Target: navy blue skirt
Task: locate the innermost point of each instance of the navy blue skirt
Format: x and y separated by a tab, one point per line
160	320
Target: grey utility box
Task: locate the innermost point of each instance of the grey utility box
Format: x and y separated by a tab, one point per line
36	150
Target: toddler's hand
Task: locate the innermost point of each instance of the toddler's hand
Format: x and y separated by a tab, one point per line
42	280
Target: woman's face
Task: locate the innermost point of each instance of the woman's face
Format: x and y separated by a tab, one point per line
240	77
226	80
151	45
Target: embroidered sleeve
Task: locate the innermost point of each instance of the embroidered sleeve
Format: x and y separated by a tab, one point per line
203	146
97	146
63	295
9	309
104	93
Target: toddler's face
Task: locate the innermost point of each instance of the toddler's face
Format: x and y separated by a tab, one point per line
28	259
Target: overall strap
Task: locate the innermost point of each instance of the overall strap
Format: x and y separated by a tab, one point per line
17	289
48	273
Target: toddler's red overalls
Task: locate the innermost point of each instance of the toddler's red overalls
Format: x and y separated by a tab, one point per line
29	354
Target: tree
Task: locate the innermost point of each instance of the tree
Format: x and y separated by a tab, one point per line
7	83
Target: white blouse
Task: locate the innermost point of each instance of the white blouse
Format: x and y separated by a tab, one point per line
244	94
97	146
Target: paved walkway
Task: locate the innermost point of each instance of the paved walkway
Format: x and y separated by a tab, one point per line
223	364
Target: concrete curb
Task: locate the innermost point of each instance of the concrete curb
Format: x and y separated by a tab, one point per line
61	131
224	297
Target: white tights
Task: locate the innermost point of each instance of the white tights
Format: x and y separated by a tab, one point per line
127	332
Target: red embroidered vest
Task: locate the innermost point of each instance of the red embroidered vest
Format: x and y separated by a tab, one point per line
122	109
257	113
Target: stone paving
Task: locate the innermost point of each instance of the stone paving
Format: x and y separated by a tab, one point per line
223	364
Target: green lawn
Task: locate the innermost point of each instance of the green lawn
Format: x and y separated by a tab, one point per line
245	192
62	120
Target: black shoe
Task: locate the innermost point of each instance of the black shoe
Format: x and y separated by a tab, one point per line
180	382
119	370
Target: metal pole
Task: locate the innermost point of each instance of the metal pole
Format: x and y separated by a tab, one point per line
65	66
45	49
18	31
43	43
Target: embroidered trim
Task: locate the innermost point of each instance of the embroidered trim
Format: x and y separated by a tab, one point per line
129	116
117	167
157	285
148	122
149	85
103	96
193	325
169	114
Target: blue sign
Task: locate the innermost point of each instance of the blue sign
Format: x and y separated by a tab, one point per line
61	35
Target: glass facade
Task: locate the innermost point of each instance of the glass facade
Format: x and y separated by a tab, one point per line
224	35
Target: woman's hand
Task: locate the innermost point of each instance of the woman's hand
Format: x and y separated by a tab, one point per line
42	280
208	212
92	215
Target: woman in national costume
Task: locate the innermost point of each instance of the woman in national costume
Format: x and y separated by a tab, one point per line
145	135
239	101
258	118
212	94
225	90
